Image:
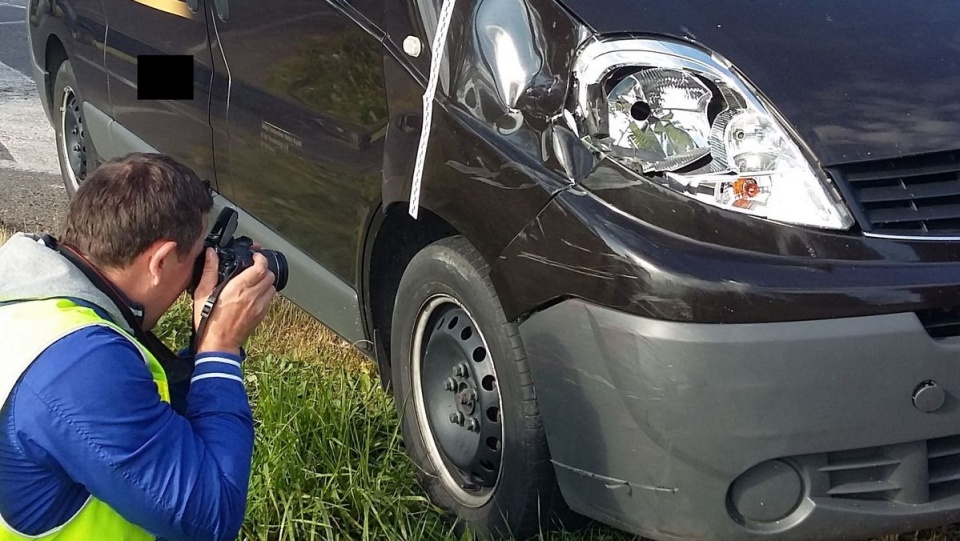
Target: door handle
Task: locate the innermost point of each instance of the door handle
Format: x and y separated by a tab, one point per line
194	5
223	9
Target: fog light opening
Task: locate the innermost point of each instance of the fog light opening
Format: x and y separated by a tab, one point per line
768	496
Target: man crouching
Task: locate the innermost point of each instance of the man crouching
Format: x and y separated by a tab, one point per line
96	441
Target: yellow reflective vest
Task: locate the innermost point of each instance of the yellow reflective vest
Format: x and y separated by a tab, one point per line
26	330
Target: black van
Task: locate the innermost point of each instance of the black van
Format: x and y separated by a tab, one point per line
688	268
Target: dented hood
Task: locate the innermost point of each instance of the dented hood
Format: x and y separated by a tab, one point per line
859	80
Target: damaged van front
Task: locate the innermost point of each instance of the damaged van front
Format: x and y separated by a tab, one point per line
750	293
688	268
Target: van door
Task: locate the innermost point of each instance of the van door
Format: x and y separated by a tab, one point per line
299	126
180	128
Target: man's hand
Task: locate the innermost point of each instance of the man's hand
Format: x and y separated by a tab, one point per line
242	305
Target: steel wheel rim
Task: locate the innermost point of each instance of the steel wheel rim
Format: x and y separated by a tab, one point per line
73	140
475	487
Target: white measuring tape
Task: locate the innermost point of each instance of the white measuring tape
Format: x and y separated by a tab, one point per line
436	55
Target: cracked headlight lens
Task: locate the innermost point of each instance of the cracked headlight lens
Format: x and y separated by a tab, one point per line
680	116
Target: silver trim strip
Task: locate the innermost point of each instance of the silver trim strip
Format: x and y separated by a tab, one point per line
910	237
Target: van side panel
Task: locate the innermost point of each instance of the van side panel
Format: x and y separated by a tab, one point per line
299	119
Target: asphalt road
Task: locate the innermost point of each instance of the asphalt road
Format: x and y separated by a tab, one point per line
13	35
32	197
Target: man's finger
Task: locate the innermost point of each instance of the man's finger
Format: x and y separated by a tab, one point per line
253	274
264	283
208	279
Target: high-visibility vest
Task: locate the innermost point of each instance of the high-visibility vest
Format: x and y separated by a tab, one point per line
26	330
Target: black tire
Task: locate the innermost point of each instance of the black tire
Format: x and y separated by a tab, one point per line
525	499
75	149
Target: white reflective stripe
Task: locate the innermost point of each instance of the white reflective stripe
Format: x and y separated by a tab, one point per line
216	375
217	360
436	55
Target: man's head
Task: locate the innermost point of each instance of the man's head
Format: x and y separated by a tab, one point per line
141	220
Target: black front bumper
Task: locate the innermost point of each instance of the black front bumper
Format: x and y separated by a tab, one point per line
632	245
791	430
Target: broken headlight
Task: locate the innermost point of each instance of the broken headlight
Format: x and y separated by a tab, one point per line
678	115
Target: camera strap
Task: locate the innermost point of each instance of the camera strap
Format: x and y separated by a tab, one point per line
207	309
176	368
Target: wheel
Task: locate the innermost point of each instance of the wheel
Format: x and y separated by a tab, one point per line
465	394
74	146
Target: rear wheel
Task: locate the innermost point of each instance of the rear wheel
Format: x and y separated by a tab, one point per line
468	408
74	146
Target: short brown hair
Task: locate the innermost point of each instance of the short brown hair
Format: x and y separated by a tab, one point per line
129	203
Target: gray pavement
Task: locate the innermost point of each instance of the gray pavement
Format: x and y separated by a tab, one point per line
32	197
31	202
13	35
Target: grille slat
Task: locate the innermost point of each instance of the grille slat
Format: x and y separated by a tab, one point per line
908	214
864	487
914	196
857	464
943	467
894	170
900	192
945	477
943	447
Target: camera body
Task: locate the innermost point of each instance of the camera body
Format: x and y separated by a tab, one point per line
236	253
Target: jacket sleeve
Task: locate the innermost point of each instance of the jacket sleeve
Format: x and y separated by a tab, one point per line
180	390
89	405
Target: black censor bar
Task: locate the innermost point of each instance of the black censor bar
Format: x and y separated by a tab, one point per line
165	77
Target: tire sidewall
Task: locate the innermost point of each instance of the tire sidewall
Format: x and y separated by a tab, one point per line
66	78
440	269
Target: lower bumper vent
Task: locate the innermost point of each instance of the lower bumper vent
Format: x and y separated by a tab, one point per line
909	473
862	474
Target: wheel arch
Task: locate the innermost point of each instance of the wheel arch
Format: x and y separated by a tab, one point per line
55	53
393	238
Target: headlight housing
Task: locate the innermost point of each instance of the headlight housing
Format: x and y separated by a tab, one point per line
674	113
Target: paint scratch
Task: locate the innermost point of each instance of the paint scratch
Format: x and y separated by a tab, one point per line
613	482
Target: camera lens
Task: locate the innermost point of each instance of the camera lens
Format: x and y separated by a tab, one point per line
277	263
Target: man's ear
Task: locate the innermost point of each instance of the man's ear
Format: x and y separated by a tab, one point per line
161	255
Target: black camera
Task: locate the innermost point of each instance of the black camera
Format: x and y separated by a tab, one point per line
235	253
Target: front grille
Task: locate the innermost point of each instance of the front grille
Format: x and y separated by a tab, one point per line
916	196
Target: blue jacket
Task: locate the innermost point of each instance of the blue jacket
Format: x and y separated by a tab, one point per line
85	418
